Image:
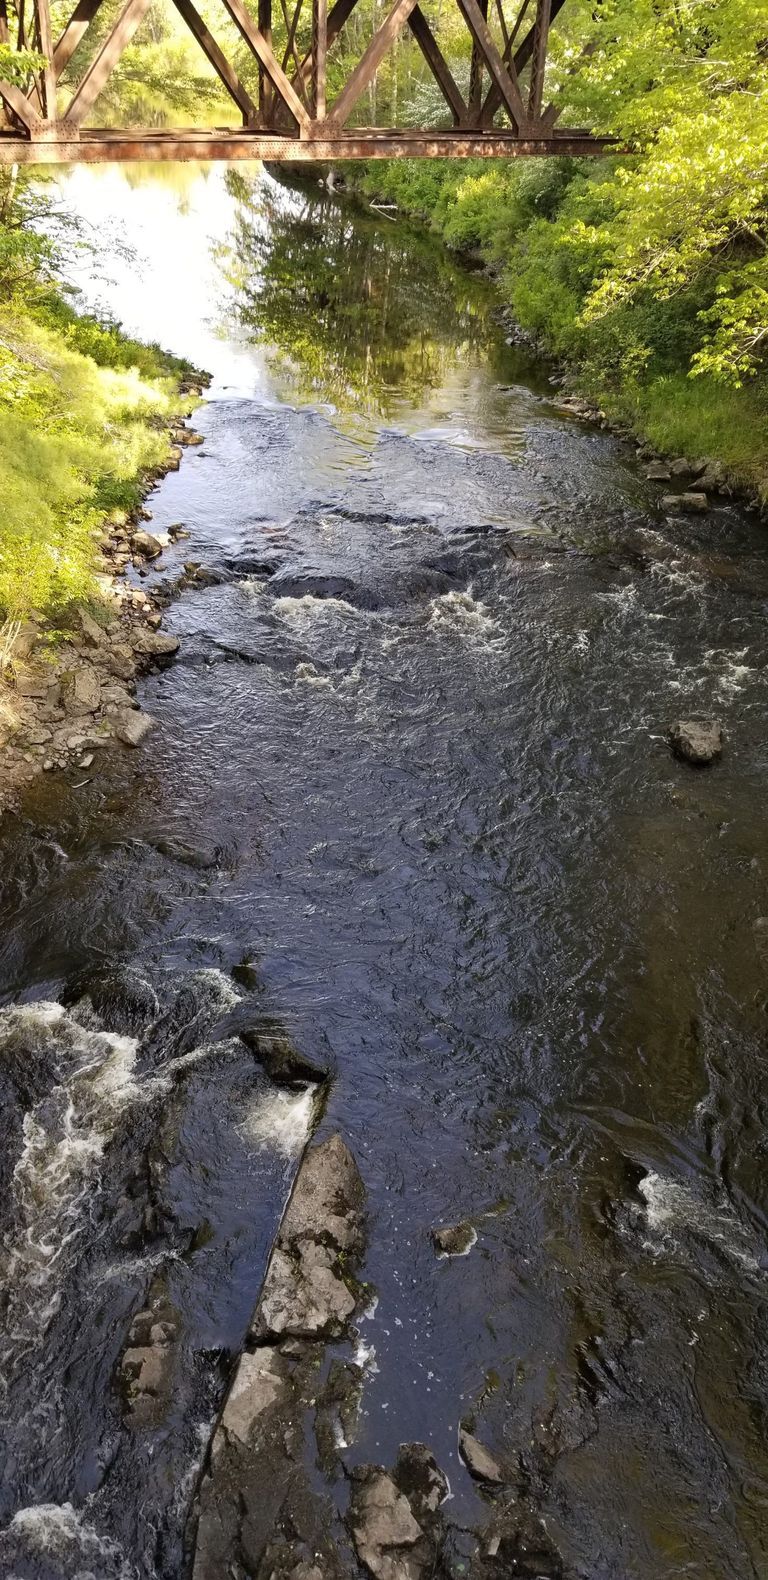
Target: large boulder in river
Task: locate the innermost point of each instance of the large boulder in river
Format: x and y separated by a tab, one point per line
306	1292
697	741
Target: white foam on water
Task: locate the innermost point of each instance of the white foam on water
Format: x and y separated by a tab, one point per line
307	607
55	1531
621	598
670	1204
223	994
365	1357
63	1139
460	611
311	676
281	1120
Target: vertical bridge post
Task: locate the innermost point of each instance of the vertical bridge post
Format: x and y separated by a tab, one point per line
319	52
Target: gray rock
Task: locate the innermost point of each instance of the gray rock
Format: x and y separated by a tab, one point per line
146	545
118	697
32	683
658	472
479	1462
132	727
260	1382
84	693
682	468
304	1295
698	741
690	503
383	1527
120	661
454	1239
327	1200
92	631
155	644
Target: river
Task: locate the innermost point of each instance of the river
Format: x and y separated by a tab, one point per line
410	796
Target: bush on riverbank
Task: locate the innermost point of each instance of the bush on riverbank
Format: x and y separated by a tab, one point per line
84	413
647	271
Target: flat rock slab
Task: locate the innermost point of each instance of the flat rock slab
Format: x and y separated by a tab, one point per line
479	1461
257	1512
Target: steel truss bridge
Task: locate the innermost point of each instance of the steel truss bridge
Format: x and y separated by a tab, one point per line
292	117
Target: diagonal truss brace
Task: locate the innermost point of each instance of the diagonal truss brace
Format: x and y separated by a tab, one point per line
503	75
264	53
438	65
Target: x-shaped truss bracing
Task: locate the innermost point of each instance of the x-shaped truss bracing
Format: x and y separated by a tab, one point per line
292	117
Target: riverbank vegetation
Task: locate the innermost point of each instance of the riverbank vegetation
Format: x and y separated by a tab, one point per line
647	271
84	412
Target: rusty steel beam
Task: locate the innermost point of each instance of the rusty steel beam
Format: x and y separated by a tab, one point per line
264	53
93	146
47	78
74	32
539	58
503	75
319	57
519	61
370	61
101	68
19	104
224	71
438	64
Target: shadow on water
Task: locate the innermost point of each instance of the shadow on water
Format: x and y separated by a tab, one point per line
410	795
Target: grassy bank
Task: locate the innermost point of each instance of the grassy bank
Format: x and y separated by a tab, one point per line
84	417
542	227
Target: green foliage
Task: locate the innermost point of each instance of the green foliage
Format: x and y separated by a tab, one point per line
648	269
83	410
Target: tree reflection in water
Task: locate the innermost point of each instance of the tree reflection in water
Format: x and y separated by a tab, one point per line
358	312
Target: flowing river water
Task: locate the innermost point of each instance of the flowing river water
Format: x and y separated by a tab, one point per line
411	797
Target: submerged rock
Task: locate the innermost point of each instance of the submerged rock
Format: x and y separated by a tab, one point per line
698	741
148	1366
121	999
690	503
454	1239
281	1061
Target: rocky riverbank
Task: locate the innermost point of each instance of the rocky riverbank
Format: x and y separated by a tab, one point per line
68	692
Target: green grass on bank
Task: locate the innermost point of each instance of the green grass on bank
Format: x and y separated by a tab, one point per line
83	419
542	225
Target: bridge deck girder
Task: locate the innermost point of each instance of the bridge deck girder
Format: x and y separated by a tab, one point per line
93	146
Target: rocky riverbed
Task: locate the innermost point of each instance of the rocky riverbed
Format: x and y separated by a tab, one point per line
69	692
